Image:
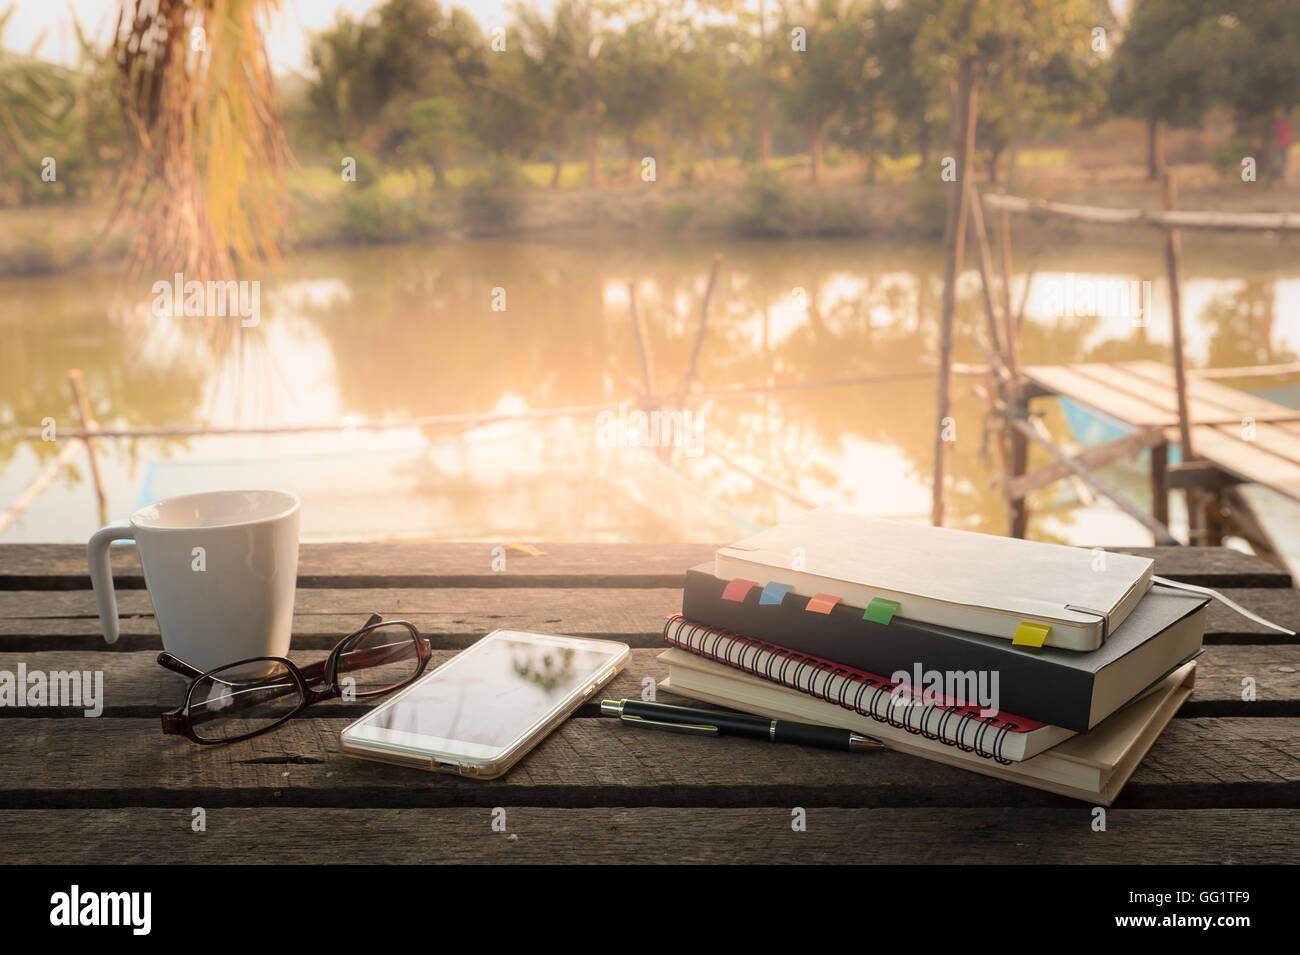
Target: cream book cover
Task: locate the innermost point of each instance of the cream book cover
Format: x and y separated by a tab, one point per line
975	582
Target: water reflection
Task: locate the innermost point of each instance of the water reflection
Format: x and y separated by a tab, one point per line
411	331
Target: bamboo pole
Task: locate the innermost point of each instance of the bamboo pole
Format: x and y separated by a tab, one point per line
89	426
1016	446
1157	219
1024	303
43	480
1011	329
1252	371
954	247
428	421
1080	486
1095	456
1174	267
1019	454
1160	483
1158	530
986	285
642	344
703	326
749	472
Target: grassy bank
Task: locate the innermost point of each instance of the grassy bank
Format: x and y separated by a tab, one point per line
721	201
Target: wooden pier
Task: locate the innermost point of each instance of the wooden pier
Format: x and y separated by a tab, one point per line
1238	438
1226	437
1246	438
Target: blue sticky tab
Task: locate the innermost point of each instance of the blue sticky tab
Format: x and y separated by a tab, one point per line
774	593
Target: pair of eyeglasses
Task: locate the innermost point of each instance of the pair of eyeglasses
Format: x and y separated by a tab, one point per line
250	697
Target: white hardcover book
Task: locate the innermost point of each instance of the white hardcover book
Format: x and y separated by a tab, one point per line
974	582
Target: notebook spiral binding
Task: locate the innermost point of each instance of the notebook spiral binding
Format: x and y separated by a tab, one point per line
764	660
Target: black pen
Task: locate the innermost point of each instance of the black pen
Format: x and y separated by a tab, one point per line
686	719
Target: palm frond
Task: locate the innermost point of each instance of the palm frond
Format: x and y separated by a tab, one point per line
203	192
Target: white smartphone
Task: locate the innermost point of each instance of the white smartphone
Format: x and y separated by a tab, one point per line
482	710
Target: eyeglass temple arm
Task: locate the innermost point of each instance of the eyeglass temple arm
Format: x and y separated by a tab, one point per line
316	671
177	665
370	657
313	671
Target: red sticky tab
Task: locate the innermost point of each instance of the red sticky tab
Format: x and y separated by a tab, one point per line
822	603
737	589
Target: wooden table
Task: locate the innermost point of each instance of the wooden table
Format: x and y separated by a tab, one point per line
1221	785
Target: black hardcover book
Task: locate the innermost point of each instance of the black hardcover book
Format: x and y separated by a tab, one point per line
1068	688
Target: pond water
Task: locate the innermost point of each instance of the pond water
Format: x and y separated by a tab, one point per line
348	335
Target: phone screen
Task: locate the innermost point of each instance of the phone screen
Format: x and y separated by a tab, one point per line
488	696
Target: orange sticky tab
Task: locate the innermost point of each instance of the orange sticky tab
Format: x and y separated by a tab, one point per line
1030	635
738	589
822	603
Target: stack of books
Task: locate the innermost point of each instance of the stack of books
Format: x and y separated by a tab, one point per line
1056	667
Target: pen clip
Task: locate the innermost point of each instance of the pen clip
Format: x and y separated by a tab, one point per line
694	729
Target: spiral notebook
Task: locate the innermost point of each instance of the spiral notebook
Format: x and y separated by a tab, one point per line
1000	736
1092	766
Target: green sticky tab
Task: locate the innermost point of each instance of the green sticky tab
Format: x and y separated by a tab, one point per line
880	610
1030	635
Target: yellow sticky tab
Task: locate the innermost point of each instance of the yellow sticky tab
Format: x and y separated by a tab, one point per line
1030	635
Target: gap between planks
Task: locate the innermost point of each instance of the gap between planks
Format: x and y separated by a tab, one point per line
648	835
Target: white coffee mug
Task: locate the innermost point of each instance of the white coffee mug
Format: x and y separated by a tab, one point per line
221	569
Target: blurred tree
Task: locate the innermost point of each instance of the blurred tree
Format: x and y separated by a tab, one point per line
1259	78
507	118
1163	71
436	127
817	67
710	85
554	72
637	67
371	73
1024	92
36	103
909	85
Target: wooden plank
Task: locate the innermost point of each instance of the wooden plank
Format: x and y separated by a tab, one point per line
1272	439
1221	396
66	620
108	763
1211	566
398	564
134	685
1122	379
1074	384
1201	475
1250	371
606	836
454	612
1247	460
450	564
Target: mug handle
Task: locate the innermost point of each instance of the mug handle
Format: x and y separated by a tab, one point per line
101	573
